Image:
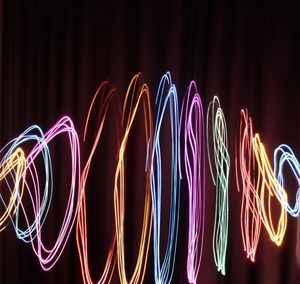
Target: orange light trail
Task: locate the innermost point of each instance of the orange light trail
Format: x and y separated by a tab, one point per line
137	93
81	228
16	163
267	184
245	170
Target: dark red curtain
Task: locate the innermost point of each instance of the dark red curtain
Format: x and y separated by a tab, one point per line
53	56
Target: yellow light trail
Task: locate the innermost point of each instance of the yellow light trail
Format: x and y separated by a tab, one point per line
268	188
137	93
16	162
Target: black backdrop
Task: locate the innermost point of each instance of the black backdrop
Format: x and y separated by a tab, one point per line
53	56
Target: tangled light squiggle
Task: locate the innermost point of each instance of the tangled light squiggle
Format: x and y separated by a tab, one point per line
81	232
283	155
137	93
32	134
220	177
41	204
166	94
194	160
245	168
267	184
48	257
14	164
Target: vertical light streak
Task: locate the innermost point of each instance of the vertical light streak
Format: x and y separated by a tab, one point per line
166	94
81	228
137	94
220	175
48	257
268	186
284	155
15	165
245	169
194	161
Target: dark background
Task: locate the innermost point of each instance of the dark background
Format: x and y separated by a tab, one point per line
53	56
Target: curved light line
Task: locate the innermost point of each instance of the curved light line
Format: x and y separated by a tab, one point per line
15	165
284	155
48	257
81	228
268	186
194	160
245	168
220	177
137	93
166	93
32	134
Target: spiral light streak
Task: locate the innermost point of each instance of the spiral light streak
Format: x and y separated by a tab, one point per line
283	155
41	199
14	165
194	161
245	168
137	95
267	189
81	228
48	257
32	134
166	94
220	177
